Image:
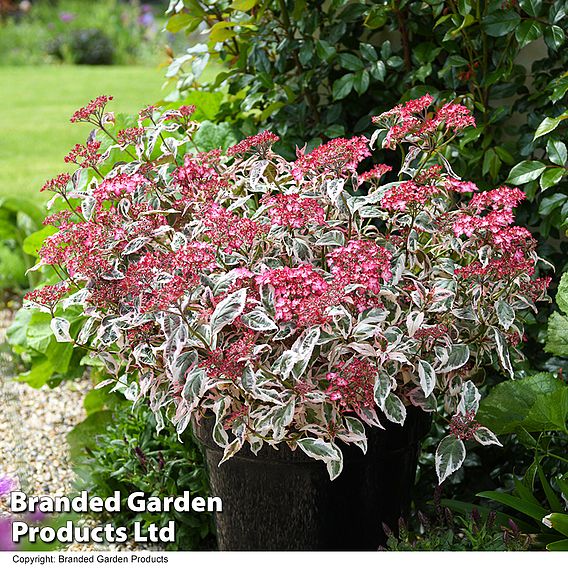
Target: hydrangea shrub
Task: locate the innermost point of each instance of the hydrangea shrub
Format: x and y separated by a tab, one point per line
297	302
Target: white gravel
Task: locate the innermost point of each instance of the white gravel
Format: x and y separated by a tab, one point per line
33	427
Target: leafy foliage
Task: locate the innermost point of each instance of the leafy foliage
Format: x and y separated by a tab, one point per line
557	337
119	450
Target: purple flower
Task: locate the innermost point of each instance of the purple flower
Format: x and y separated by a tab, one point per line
66	17
6	542
7	484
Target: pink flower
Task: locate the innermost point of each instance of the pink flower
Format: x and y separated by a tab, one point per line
360	262
407	193
57	184
294	211
338	156
295	290
84	156
227	230
377	172
93	111
259	143
352	385
117	187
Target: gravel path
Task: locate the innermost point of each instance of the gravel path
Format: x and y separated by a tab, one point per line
33	428
33	436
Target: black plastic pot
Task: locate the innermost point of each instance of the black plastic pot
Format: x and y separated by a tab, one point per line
283	500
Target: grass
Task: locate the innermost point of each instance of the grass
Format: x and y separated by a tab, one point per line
36	103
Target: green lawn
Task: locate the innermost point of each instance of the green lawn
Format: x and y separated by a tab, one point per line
35	106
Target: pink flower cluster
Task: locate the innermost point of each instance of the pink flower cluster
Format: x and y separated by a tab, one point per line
463	427
117	187
294	211
259	143
377	172
227	230
407	194
337	156
57	184
500	202
143	280
230	363
360	262
198	178
409	122
84	156
93	111
129	136
48	296
352	385
295	290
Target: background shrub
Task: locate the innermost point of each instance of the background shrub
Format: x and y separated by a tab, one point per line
310	70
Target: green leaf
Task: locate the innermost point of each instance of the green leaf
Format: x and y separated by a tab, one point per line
459	356
540	405
83	437
503	351
550	203
361	82
548	125
211	136
178	22
450	455
325	451
243	5
368	52
469	399
531	7
258	320
382	388
554	37
557	335
558	546
527	32
500	23
562	293
351	62
551	177
376	18
534	511
525	171
557	152
324	50
222	31
343	86
394	409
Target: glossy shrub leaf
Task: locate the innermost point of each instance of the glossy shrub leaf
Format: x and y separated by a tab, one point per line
551	177
343	86
548	125
557	152
500	23
527	32
525	171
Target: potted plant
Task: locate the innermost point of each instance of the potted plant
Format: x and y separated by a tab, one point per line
296	311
